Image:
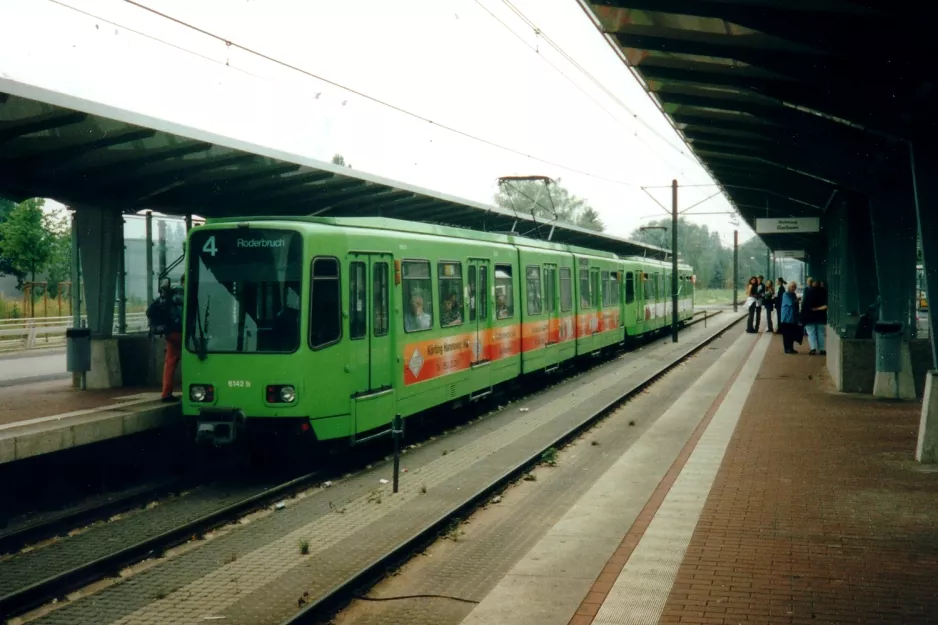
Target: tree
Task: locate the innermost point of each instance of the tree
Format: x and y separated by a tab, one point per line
696	245
590	220
6	264
25	242
547	202
338	159
59	266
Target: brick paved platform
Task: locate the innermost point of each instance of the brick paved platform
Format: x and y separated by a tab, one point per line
790	503
818	514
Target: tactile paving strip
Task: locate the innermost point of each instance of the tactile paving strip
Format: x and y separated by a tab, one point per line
641	590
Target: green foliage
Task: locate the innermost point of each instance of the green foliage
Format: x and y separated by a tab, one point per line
548	202
25	243
338	159
33	241
6	265
59	267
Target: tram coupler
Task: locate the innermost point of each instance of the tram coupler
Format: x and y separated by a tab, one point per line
218	427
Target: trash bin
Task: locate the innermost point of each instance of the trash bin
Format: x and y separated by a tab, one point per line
888	346
78	350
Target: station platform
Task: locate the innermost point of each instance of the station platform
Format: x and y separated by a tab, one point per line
787	503
42	417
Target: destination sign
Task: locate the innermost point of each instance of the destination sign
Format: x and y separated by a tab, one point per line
789	253
222	242
252	243
788	224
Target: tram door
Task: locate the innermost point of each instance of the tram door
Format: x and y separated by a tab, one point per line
551	304
370	339
480	322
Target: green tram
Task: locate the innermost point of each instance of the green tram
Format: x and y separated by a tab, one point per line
326	328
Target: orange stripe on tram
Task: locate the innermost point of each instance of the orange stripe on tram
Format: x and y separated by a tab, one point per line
441	356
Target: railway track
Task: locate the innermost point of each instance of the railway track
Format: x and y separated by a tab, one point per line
322	608
74	564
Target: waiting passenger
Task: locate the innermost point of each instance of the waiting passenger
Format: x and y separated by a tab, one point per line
451	314
418	319
814	317
791	330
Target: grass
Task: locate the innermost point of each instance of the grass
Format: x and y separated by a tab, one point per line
714	296
549	457
13	308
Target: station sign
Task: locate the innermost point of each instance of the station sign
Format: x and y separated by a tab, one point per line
789	253
788	224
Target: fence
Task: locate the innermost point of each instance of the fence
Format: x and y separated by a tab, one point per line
42	332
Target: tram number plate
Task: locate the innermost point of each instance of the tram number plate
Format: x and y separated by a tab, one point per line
239	384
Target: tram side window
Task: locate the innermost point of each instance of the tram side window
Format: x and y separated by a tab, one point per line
614	288
550	288
380	284
594	285
418	295
566	289
472	292
629	287
504	293
584	288
326	306
533	290
451	295
356	301
607	289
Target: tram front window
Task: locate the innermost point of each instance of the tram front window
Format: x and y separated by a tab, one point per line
244	291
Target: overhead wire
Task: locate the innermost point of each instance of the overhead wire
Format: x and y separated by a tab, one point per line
371	98
151	37
612	115
591	77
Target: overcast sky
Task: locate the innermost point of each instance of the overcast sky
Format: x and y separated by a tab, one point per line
450	61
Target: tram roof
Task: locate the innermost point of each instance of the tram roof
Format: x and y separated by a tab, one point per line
82	152
398	225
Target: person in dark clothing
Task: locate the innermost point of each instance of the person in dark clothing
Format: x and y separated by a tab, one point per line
165	317
768	301
752	303
814	317
791	330
779	292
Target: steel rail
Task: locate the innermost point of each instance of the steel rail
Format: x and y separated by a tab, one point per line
344	590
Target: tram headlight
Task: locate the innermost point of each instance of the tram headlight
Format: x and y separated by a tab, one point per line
281	394
200	393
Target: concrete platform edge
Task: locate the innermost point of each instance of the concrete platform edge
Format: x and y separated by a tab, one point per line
31	440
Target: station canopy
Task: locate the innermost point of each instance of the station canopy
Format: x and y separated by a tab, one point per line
785	102
84	153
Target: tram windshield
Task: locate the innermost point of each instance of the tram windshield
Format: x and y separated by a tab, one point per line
244	291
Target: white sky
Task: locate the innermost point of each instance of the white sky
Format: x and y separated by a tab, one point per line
446	60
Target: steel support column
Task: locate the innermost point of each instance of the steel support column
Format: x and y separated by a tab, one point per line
101	245
149	250
892	216
122	283
924	159
735	270
674	281
99	232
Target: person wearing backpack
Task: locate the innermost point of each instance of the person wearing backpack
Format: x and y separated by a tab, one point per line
165	317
